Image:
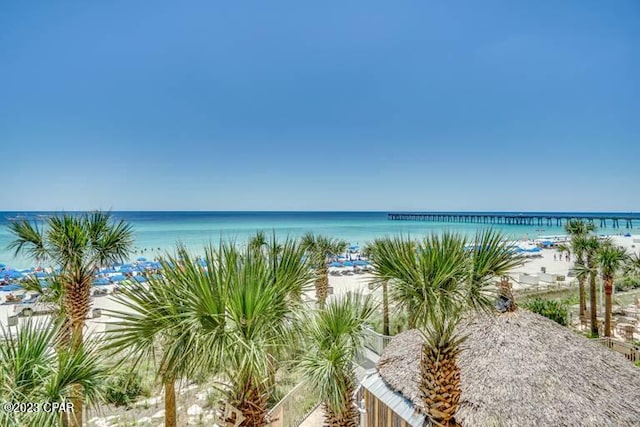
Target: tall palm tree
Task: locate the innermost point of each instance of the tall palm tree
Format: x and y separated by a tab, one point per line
34	367
233	317
578	230
610	260
160	322
335	337
590	245
435	280
320	249
78	245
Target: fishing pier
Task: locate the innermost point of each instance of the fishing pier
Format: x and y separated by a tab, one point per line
510	218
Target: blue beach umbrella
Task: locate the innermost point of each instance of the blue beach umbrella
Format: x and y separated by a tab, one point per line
3	266
118	278
109	270
101	282
13	274
140	279
126	270
335	264
10	288
360	263
141	259
354	247
41	274
347	264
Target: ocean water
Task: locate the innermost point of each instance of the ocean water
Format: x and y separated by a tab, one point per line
156	232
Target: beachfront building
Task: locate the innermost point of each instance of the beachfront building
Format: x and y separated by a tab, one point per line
517	369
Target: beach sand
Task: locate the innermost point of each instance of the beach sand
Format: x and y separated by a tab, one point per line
355	282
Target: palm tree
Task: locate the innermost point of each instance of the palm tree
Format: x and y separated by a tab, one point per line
232	316
435	280
335	337
590	246
440	385
165	322
32	371
578	230
320	249
610	260
78	245
632	266
258	241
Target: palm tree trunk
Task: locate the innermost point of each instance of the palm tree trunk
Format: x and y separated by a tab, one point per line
170	416
349	417
582	296
322	285
608	291
253	406
385	309
77	398
593	304
77	306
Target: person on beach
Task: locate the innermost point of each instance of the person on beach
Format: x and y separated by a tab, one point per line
554	257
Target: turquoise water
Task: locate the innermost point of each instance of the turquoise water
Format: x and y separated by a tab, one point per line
160	231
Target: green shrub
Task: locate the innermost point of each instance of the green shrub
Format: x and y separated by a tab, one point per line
552	309
626	283
573	299
638	363
123	388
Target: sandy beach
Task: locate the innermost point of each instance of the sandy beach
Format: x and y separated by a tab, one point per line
359	282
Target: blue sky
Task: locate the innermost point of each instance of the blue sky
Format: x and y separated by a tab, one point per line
376	105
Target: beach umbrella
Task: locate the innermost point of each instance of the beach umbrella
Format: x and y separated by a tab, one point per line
126	270
3	266
335	264
626	235
140	279
101	282
141	259
118	278
13	274
347	264
354	247
10	287
360	262
41	274
109	270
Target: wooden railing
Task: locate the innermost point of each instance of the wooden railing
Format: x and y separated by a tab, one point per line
630	351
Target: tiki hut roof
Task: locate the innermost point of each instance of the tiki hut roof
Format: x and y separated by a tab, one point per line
522	369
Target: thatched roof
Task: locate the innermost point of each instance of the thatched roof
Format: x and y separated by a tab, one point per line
521	369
